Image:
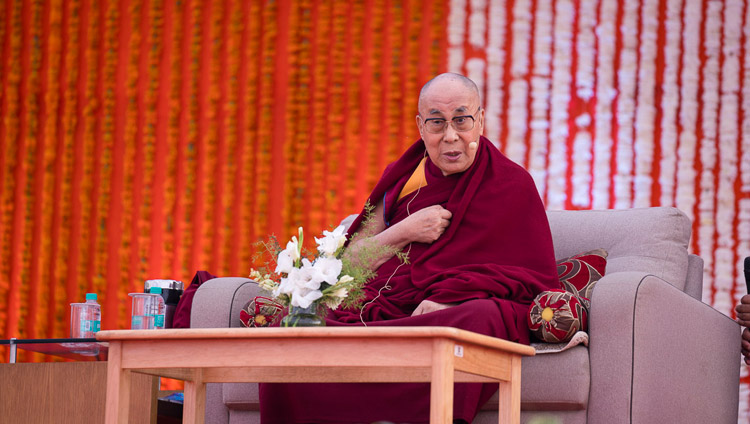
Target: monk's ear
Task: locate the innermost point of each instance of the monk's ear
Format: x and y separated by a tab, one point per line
419	125
481	119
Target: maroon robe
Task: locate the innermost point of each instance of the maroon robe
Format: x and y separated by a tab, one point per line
493	259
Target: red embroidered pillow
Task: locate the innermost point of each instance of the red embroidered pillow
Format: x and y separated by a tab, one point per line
556	315
260	312
578	274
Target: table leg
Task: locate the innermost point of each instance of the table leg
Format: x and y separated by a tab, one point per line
510	395
441	386
118	387
194	408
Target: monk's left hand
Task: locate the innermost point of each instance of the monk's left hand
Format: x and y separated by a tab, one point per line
427	306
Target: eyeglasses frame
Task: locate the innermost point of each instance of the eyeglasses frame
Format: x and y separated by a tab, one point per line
473	120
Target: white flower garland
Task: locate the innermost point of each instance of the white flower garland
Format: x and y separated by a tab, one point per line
478	23
605	93
560	97
540	84
708	153
495	62
581	179
517	117
626	79
521	25
582	143
475	67
726	277
519	90
670	103
685	200
456	35
475	71
646	110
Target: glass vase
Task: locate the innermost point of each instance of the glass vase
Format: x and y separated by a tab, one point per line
303	317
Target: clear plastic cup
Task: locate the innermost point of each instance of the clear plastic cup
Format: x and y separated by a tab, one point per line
78	317
142	315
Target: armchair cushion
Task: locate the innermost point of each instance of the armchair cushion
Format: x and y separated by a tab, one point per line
556	315
651	240
578	274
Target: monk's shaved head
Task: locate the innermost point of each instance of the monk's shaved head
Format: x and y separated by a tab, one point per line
447	77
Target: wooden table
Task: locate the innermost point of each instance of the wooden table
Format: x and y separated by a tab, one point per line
439	355
68	393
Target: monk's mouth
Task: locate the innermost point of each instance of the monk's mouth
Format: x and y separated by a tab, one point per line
452	155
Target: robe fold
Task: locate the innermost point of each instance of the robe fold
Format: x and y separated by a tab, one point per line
493	259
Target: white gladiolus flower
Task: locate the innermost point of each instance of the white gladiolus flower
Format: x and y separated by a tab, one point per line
284	262
286	286
329	268
309	276
303	298
293	248
302	280
345	279
336	298
341	292
333	302
331	241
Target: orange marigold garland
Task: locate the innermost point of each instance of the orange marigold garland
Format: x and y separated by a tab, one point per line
335	105
321	40
296	123
10	106
352	112
264	139
375	121
250	54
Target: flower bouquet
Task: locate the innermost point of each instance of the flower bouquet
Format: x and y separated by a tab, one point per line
309	285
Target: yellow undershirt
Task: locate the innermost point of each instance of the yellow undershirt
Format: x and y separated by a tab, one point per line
416	180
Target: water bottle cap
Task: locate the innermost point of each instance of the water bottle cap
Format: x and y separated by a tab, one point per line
90	296
155	290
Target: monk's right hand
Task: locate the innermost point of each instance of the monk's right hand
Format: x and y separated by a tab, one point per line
428	224
743	311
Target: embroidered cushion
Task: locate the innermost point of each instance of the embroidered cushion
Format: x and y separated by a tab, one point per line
260	312
556	315
578	274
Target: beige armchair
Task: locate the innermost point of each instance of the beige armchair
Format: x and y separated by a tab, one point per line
656	352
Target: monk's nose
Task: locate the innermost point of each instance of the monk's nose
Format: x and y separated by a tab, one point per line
450	135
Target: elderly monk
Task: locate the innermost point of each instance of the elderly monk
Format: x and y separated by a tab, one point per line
479	249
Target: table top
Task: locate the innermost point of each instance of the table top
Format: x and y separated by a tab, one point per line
317	332
88	349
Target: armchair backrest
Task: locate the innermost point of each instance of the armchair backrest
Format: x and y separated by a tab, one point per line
653	240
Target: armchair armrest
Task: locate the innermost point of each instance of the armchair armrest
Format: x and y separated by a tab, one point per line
217	302
659	355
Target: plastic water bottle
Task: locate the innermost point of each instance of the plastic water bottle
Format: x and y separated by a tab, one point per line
158	306
86	318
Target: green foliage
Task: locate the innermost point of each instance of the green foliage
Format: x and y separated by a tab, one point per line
266	253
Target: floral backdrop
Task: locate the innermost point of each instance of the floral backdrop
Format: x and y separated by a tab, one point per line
150	139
